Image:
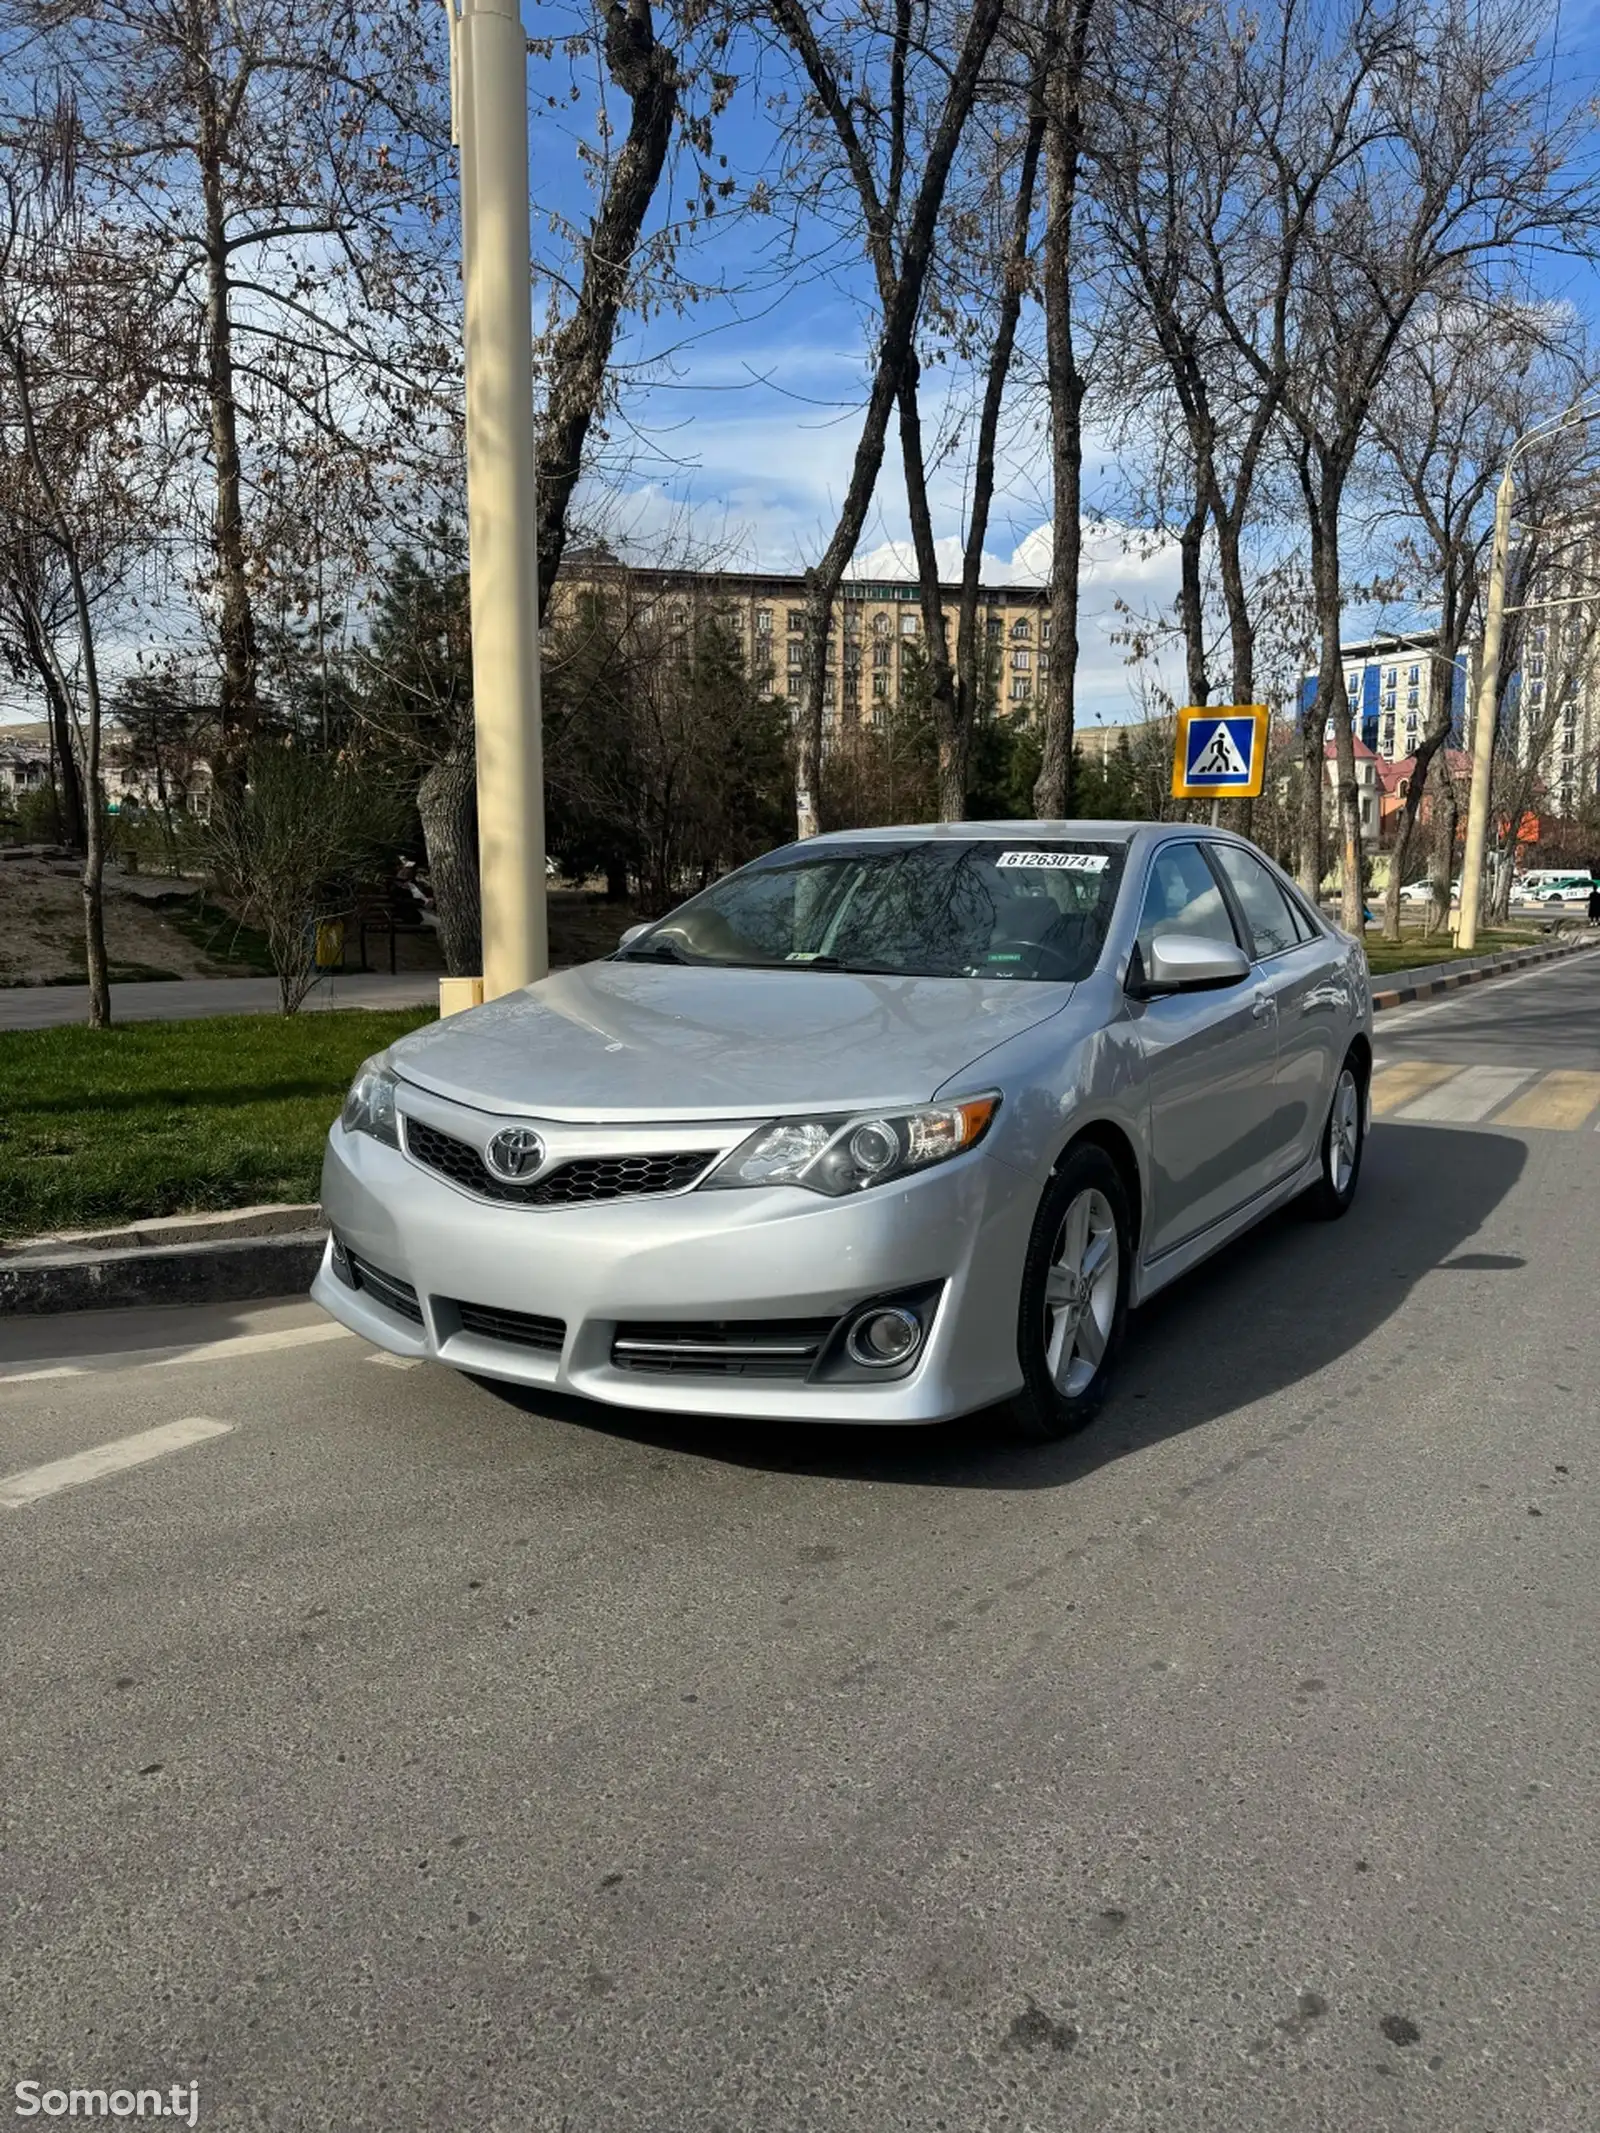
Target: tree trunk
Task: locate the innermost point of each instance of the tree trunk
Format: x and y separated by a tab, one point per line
951	735
1432	741
1052	792
236	629
71	829
94	932
581	353
1447	825
447	803
1191	604
894	347
971	639
1329	703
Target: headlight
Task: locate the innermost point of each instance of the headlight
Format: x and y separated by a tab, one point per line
842	1154
369	1108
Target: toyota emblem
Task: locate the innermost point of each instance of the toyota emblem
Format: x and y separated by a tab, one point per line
514	1154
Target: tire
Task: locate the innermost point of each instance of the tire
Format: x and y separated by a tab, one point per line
1067	1361
1342	1144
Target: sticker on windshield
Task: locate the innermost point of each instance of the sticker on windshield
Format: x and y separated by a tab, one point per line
1062	862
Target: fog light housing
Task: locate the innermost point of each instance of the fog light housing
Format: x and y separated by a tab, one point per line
341	1263
884	1336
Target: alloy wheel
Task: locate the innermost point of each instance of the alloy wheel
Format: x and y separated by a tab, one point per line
1080	1292
1344	1132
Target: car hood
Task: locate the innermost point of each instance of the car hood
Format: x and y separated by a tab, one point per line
626	1041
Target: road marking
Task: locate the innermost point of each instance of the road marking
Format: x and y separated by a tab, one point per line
1562	1100
1467	996
201	1352
395	1362
1399	1084
1469	1096
34	1483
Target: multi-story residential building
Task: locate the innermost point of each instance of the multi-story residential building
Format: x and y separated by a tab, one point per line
874	636
1550	715
1392	684
1551	708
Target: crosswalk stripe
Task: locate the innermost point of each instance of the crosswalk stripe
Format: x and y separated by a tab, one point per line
1398	1084
34	1483
1562	1100
1468	1097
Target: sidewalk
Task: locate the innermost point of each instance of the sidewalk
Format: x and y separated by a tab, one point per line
192	999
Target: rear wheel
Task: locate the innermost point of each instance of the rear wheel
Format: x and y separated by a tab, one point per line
1342	1142
1074	1301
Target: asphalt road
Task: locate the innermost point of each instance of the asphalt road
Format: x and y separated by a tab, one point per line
399	1756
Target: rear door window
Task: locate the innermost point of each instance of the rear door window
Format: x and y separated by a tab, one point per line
1268	912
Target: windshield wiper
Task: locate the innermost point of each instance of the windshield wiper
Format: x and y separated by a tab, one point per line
834	962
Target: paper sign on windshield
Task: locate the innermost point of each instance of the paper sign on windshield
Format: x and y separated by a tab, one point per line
1061	862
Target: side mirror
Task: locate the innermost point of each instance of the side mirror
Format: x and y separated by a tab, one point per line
633	933
1181	962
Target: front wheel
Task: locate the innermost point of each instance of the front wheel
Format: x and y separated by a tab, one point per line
1342	1143
1074	1300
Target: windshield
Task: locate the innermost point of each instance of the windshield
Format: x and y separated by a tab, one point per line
942	909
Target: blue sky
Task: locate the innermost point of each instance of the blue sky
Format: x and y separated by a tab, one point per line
739	425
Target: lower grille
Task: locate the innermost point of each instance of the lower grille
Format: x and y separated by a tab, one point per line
579	1182
387	1289
722	1348
525	1329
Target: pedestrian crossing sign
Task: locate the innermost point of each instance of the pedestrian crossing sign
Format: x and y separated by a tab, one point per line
1220	753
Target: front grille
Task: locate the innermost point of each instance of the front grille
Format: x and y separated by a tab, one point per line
722	1348
579	1182
524	1328
388	1289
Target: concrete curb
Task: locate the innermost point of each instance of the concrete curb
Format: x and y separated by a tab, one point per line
1398	988
239	1272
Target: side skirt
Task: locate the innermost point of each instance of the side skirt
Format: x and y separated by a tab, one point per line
1150	1278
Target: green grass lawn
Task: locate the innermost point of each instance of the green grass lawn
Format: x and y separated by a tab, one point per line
162	1118
1411	951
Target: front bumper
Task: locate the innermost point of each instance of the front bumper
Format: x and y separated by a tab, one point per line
758	1254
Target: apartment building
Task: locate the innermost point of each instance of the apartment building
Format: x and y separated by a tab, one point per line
1551	711
875	633
1392	684
1551	707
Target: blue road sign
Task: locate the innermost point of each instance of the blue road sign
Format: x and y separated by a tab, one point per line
1221	751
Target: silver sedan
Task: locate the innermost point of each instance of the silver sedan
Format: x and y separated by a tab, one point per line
886	1127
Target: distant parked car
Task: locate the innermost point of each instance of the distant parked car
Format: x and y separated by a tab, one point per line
1417	892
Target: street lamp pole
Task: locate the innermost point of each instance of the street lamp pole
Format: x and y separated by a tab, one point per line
1483	719
489	96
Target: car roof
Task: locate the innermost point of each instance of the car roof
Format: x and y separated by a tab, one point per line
992	832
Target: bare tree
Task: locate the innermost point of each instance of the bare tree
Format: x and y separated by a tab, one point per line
283	172
1064	384
1452	168
1170	180
292	844
1465	382
76	315
899	230
610	271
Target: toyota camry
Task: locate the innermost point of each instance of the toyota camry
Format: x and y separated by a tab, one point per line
889	1126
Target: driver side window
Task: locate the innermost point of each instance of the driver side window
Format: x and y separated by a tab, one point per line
1183	897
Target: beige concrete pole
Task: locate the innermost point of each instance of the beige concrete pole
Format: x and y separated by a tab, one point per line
1484	719
491	108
